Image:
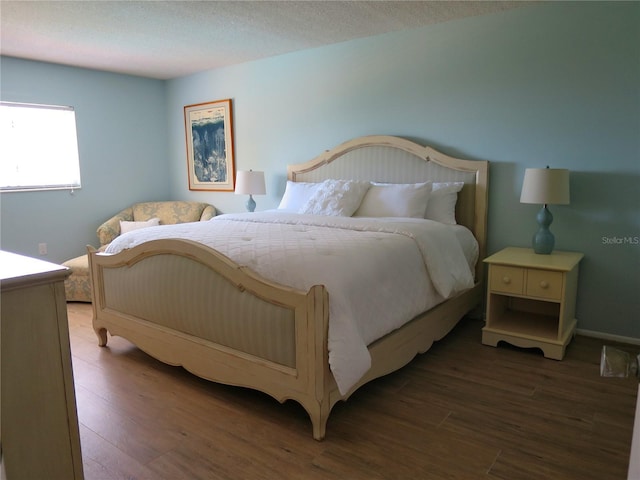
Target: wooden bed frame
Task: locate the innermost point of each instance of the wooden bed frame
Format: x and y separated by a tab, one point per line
183	274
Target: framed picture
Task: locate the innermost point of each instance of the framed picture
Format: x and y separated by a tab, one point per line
209	135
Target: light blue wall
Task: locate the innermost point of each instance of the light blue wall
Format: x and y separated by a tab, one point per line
121	122
554	84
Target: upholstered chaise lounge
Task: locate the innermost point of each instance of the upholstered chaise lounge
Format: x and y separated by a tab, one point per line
78	284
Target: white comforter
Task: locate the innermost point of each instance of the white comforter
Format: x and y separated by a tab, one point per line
374	269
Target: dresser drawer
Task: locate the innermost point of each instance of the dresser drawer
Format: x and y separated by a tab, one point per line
507	279
544	284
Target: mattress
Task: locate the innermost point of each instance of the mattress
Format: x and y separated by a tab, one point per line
379	272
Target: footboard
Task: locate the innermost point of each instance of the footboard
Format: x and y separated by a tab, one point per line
186	304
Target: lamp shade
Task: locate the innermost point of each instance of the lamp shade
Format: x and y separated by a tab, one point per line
548	186
250	183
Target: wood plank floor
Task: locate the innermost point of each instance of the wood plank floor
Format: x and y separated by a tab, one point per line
460	411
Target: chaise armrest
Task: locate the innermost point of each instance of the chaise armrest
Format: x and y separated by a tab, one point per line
111	228
208	213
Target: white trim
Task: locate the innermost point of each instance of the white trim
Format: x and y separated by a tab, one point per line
608	336
634	459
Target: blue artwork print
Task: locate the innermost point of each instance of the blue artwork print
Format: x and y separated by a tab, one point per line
209	151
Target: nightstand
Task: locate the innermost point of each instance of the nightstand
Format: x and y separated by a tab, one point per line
531	299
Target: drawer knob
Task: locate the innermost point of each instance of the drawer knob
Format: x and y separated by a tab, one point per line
544	284
506	280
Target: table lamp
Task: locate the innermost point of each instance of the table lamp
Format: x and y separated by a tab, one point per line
548	186
250	183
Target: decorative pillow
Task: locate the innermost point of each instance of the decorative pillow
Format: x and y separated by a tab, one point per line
337	198
395	200
296	194
442	202
130	226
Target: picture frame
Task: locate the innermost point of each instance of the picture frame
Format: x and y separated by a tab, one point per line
210	149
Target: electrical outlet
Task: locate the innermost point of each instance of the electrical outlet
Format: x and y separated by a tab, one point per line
42	248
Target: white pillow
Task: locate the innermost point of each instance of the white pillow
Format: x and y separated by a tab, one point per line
442	202
130	226
395	200
336	198
296	194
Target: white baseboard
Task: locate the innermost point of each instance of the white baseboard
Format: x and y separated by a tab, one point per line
608	336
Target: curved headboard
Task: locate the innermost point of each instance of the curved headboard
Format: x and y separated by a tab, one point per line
383	158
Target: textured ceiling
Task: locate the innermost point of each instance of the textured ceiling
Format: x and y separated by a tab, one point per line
168	39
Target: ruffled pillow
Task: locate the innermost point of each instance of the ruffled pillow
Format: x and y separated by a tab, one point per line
340	198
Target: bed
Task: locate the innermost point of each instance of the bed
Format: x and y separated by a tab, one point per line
188	303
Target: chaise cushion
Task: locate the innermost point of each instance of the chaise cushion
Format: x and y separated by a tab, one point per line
78	285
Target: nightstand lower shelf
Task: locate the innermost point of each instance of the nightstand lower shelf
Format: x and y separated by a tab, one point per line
533	331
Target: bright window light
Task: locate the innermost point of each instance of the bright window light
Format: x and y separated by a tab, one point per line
38	148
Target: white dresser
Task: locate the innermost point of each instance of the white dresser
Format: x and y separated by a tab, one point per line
38	420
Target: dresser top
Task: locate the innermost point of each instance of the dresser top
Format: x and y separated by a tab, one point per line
19	270
526	257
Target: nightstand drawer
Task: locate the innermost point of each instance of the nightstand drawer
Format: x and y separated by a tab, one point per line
544	284
507	279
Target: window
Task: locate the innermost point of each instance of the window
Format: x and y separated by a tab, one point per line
38	148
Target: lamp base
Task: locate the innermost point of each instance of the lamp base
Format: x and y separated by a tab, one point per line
251	204
543	241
